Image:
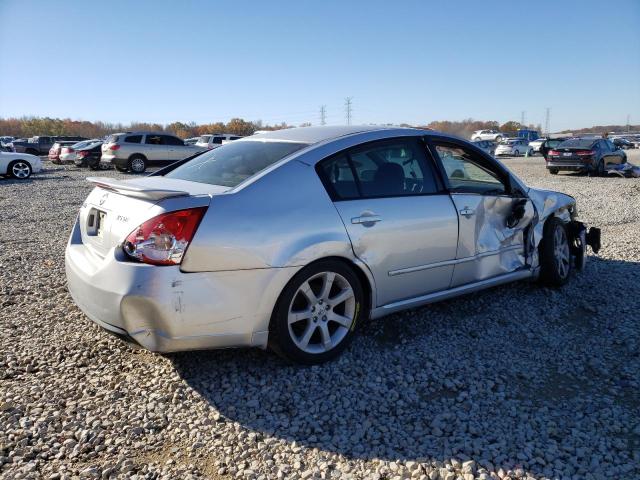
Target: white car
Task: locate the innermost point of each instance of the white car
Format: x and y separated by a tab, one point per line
19	165
214	141
513	147
536	144
68	153
494	135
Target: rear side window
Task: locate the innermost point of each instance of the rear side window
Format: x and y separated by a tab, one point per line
391	168
133	139
233	163
154	140
217	140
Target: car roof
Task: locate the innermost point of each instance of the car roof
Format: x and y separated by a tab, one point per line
311	135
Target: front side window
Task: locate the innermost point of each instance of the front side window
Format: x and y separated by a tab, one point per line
233	163
467	173
169	140
391	168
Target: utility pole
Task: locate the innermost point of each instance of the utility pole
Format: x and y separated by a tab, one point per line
348	109
628	122
323	114
547	119
523	116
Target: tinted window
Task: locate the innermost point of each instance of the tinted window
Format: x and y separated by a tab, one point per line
231	164
169	140
217	140
234	138
338	178
131	139
381	169
154	139
467	173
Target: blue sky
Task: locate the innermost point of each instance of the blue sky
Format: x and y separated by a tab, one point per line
403	61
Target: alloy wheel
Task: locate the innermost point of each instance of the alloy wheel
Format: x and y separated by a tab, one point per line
137	165
561	251
321	312
20	170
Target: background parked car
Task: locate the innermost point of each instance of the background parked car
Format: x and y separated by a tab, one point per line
68	152
550	144
41	145
486	145
19	165
537	144
135	151
494	135
89	155
623	143
56	149
215	140
513	147
191	141
590	155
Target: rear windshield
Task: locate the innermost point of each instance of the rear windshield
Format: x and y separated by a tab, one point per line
204	138
577	143
111	139
232	163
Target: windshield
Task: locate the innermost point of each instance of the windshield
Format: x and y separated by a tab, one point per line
232	163
204	139
577	143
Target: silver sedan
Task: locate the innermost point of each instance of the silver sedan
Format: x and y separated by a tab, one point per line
292	239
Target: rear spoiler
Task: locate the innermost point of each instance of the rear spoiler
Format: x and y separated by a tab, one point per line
132	190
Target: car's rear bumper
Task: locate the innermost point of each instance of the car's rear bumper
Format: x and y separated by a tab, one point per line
164	309
573	167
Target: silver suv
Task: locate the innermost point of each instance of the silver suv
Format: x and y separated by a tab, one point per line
135	151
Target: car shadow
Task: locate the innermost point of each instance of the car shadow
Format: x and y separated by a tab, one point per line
399	392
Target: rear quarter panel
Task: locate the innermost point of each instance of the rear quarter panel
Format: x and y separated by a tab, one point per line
283	219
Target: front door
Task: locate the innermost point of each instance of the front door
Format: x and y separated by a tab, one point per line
493	220
401	223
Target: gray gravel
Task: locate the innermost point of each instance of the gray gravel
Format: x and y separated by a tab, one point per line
515	382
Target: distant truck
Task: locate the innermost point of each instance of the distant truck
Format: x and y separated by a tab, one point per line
528	135
40	145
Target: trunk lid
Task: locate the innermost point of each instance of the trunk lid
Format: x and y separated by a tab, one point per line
115	208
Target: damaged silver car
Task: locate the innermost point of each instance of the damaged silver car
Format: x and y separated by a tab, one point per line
291	239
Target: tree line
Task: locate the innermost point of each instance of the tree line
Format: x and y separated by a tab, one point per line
32	126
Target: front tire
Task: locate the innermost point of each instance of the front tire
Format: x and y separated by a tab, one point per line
19	169
317	313
555	254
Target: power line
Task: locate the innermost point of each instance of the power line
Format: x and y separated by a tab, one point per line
348	108
323	115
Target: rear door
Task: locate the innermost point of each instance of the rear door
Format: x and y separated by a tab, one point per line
491	242
155	148
401	222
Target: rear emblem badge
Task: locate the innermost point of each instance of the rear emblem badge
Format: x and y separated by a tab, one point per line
104	198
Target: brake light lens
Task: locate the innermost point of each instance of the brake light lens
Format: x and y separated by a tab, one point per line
114	147
553	152
82	154
585	153
164	239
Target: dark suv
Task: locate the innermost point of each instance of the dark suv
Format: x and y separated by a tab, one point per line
589	155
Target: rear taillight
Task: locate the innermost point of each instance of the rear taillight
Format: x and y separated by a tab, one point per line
82	154
585	153
553	152
114	147
164	239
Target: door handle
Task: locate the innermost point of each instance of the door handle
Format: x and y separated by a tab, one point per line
366	219
467	212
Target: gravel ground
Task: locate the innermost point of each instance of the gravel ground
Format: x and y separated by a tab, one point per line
515	382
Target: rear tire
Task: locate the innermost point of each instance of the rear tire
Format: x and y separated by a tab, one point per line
137	163
317	312
555	254
553	171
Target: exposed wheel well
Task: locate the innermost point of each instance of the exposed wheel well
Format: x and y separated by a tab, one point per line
134	155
